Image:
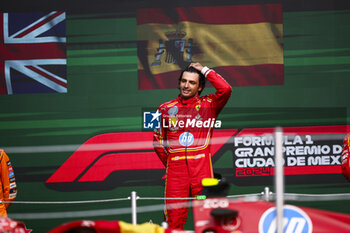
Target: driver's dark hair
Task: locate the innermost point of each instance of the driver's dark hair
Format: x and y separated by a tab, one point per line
201	77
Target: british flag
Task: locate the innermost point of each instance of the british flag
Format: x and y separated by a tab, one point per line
33	53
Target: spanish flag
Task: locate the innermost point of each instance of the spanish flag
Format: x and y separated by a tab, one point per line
243	43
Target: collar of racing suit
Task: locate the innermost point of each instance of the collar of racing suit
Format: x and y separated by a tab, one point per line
188	101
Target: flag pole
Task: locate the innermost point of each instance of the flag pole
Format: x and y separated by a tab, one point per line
279	179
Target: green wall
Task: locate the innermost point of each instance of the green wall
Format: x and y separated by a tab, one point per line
103	97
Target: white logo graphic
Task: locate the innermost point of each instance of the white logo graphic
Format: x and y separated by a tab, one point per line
295	220
186	139
151	120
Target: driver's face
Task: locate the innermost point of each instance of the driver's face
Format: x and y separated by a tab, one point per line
189	85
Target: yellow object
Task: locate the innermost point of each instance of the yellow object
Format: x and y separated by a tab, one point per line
144	228
206	182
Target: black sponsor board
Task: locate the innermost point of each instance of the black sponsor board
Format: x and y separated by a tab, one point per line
310	155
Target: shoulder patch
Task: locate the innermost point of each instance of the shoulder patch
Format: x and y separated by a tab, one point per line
172	104
168	103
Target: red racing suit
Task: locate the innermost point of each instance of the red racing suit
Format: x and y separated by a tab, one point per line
183	144
345	167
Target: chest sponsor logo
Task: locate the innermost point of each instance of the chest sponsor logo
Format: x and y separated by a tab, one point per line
186	139
173	111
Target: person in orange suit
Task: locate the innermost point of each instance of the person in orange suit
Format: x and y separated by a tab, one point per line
8	190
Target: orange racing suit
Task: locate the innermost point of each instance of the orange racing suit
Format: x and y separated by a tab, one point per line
183	144
8	190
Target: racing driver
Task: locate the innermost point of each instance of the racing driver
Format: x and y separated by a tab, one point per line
183	141
8	187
